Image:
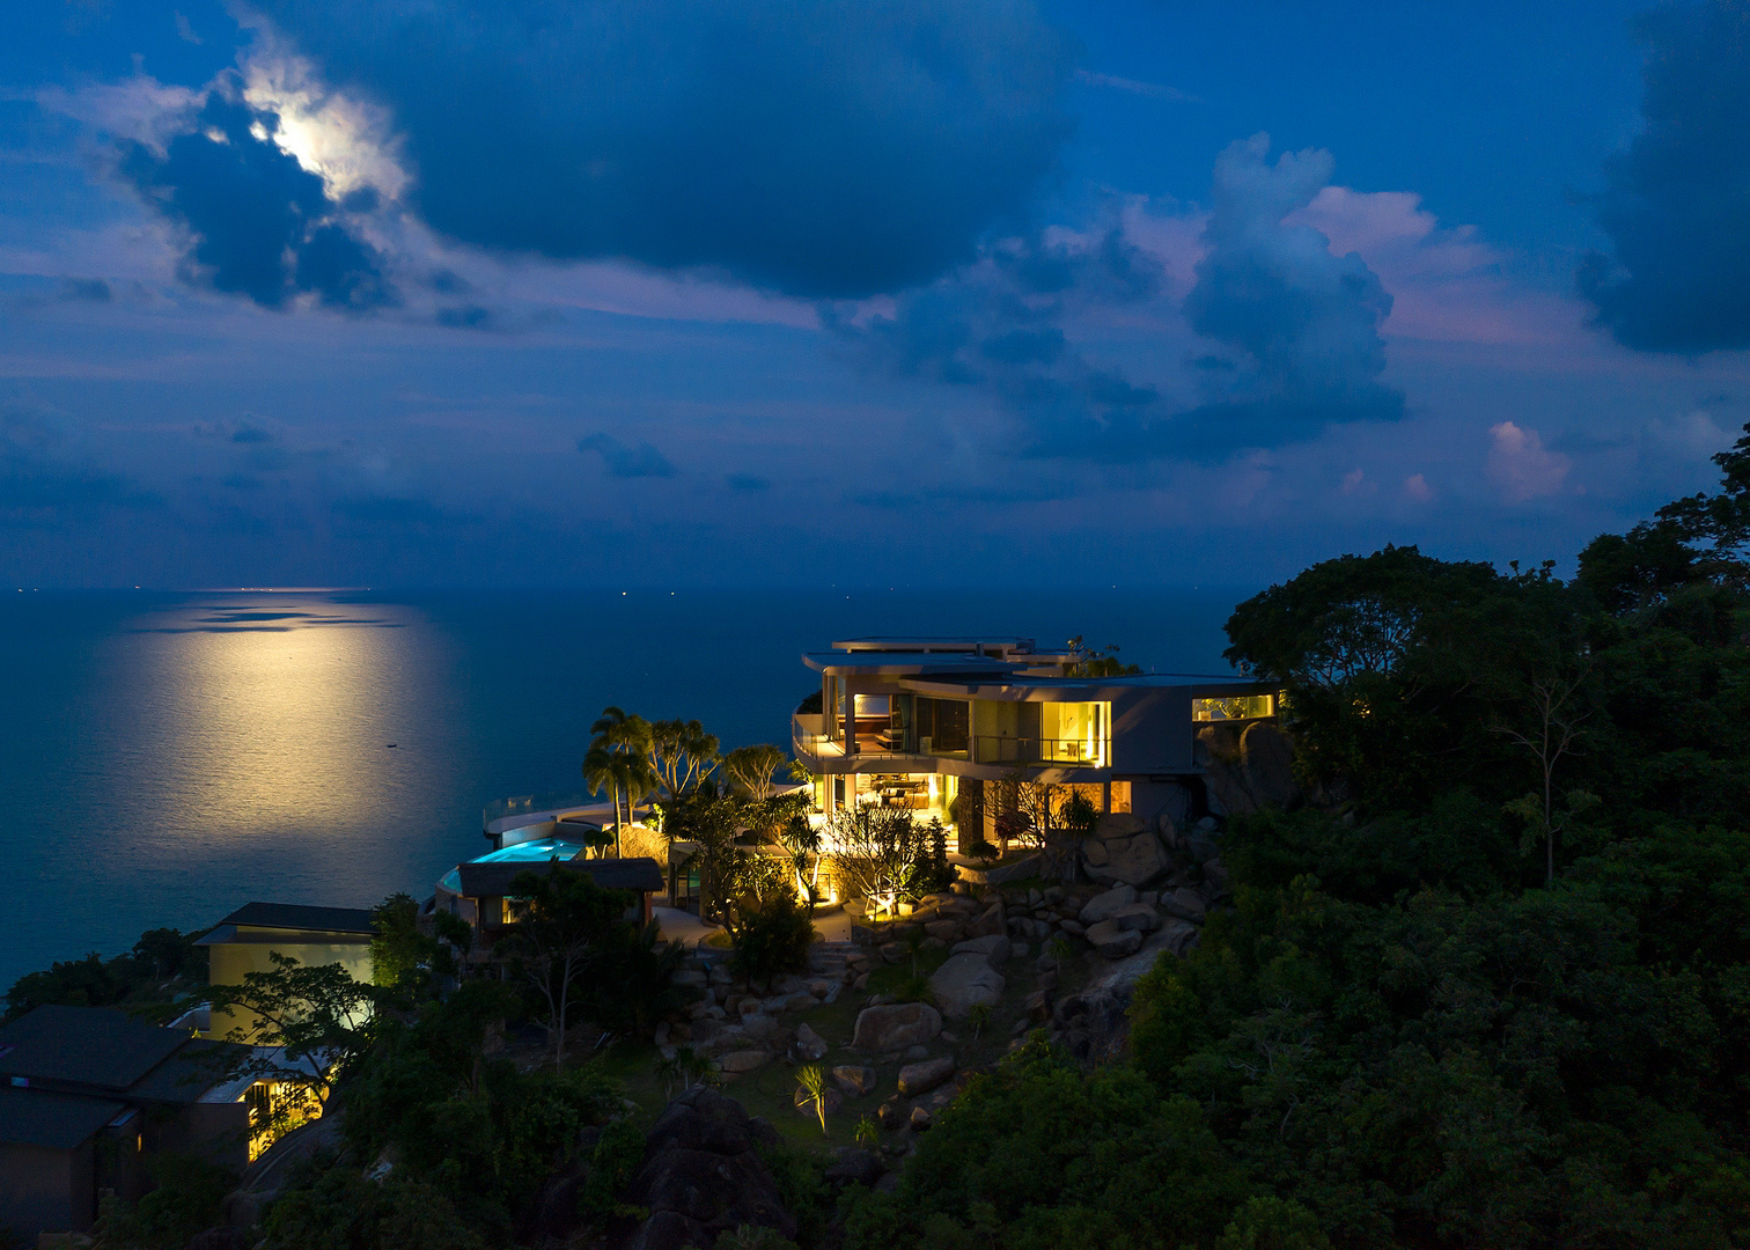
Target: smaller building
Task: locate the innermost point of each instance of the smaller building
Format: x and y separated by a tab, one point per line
246	940
480	891
87	1094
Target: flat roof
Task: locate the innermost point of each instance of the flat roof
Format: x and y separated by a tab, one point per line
35	1117
929	642
897	662
231	935
492	880
85	1046
299	916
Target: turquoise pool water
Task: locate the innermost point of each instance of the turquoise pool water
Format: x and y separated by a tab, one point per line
522	853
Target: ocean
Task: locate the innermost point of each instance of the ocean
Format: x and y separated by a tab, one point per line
166	758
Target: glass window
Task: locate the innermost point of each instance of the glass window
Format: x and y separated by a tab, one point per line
1075	733
1234	707
943	725
1121	796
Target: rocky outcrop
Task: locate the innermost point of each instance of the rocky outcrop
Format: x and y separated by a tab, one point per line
963	983
1094	1024
1112	941
1101	906
922	1077
1124	849
895	1026
702	1175
996	949
1248	770
854	1079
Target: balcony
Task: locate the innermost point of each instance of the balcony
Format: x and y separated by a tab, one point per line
1074	752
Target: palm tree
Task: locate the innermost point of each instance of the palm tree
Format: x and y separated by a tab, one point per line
618	762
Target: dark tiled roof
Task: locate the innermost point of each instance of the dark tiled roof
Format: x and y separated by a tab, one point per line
85	1046
296	916
34	1117
493	880
187	1074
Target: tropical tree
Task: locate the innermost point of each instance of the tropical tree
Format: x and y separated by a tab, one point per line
682	755
299	1027
752	768
619	762
1096	661
567	932
877	852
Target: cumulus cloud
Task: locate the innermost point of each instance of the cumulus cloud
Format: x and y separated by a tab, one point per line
258	223
625	459
999	325
1299	325
822	150
1677	199
1521	467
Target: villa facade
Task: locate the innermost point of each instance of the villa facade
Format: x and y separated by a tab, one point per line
939	725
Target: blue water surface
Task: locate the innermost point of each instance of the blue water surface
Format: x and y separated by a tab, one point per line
165	758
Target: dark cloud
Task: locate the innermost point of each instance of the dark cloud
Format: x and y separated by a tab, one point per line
1677	202
45	478
260	224
1301	325
825	150
999	326
624	460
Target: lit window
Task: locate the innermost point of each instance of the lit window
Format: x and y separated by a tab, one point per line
1121	796
1234	707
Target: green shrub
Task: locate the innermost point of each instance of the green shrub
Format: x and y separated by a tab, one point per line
772	939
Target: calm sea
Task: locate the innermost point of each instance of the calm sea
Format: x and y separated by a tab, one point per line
165	758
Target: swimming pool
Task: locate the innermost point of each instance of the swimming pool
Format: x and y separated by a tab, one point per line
538	852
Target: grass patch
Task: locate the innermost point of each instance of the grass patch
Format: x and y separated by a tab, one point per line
901	981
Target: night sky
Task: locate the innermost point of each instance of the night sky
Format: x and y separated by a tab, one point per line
920	293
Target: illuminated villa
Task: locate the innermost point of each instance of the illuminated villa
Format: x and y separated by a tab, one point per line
920	722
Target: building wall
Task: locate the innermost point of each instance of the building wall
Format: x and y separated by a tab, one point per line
46	1191
231	960
215	1131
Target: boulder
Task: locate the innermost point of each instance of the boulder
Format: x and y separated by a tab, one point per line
920	1119
701	1175
809	1044
1112	941
760	1028
1118	825
1181	937
897	1026
740	1062
943	929
856	1167
854	1079
964	982
1138	916
988	923
1100	906
1268	760
1215	877
1186	904
1129	861
995	948
921	1078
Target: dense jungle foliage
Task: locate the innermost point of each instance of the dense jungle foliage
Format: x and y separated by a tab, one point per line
1489	985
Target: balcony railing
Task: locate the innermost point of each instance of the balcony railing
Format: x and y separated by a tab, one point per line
1082	752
